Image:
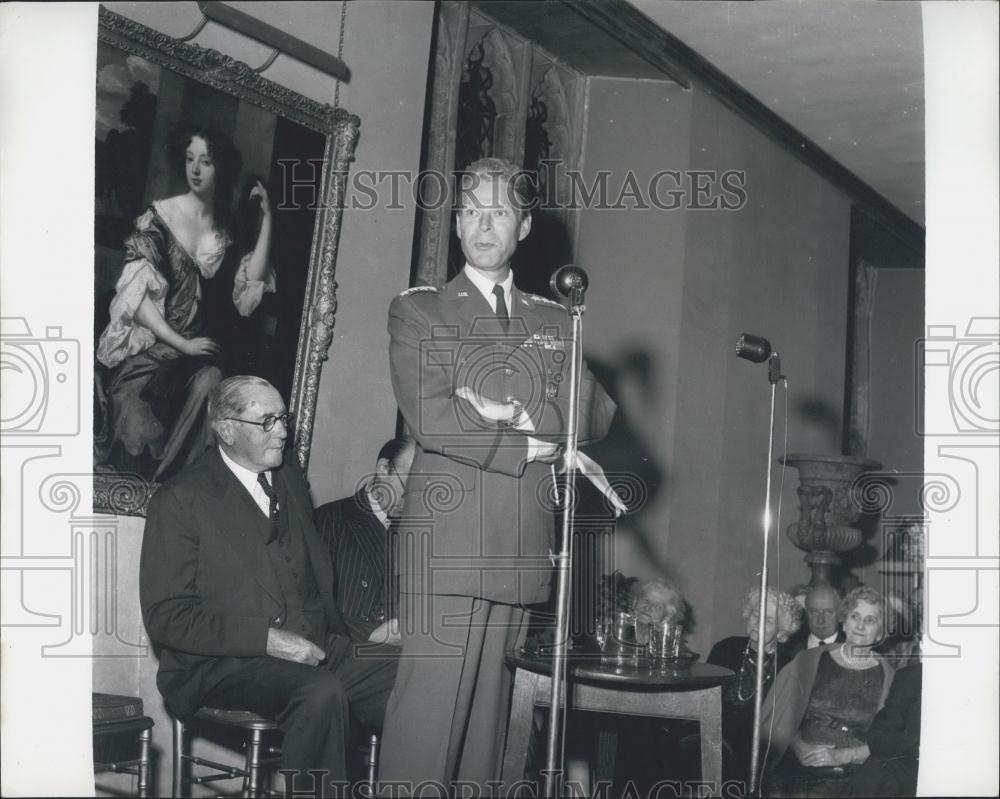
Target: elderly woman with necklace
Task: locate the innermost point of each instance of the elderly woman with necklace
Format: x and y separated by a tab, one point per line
820	708
739	654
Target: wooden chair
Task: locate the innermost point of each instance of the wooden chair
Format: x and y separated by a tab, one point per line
256	763
119	729
259	758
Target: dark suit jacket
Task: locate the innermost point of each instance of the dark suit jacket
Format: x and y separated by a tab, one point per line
358	542
799	642
477	519
206	585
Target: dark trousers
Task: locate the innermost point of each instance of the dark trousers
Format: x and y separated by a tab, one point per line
314	705
446	720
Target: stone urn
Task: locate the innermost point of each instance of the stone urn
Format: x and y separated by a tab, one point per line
827	509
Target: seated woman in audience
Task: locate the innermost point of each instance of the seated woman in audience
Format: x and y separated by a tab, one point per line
815	720
657	601
739	654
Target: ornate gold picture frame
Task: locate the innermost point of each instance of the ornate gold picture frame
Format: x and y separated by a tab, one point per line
148	85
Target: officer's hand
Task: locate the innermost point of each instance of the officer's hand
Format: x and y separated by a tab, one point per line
292	646
544	452
386	633
489	409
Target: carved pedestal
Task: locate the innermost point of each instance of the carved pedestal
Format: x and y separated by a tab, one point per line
827	509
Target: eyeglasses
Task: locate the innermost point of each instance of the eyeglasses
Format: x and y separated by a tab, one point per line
269	421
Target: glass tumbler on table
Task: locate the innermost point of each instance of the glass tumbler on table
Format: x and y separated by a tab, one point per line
665	639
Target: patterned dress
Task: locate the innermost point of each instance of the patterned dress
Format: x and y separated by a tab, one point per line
842	704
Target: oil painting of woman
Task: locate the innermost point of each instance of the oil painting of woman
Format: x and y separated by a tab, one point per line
161	360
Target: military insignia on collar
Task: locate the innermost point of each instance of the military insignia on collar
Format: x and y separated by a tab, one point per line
416	289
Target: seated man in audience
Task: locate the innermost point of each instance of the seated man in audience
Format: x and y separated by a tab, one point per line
822	619
237	595
356	532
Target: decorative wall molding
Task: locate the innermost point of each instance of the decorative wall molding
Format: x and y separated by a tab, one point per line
513	71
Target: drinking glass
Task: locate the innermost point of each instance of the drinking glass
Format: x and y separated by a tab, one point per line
621	643
665	640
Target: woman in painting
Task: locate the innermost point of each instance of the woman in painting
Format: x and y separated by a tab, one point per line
819	711
163	363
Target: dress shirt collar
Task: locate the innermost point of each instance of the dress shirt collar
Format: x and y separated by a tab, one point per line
248	479
376	508
485	286
813	641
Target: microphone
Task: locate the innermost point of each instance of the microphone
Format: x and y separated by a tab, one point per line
753	348
569	281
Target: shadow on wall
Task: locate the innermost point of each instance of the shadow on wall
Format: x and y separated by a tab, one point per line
817	414
623	453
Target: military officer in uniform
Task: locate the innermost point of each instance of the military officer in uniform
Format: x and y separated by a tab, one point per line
480	371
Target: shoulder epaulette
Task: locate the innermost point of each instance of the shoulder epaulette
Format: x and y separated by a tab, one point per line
545	301
417	289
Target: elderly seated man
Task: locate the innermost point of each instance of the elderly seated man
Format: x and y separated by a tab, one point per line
822	612
237	594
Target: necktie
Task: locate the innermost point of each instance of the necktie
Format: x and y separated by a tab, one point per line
502	314
272	510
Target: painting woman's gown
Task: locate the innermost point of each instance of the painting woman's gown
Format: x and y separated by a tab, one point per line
156	394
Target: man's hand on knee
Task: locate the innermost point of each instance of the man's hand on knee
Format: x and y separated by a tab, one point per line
292	646
386	633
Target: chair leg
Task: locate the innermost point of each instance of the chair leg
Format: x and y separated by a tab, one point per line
251	783
145	738
177	780
372	764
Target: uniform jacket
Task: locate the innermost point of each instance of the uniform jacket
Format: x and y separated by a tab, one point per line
207	588
478	517
358	542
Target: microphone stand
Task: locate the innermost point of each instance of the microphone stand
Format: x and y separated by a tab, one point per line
557	704
773	376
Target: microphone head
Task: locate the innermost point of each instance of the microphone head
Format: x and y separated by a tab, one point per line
568	278
753	348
